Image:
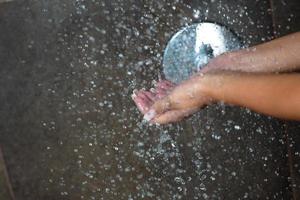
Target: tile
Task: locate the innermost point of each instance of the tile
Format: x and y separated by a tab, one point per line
5	186
286	15
292	132
67	71
286	19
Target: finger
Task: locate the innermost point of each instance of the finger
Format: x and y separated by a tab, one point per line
143	94
165	85
150	95
134	93
137	93
169	83
160	95
161	92
142	104
173	116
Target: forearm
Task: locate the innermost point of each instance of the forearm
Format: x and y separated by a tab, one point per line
278	55
275	95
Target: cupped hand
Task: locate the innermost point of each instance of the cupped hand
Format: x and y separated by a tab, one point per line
144	100
184	100
178	102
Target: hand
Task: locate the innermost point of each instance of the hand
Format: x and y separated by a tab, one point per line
229	61
183	100
144	100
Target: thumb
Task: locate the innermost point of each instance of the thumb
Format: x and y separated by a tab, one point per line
158	108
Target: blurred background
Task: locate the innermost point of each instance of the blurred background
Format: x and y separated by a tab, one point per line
69	129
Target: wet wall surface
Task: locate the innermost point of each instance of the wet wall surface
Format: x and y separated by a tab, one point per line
69	129
282	26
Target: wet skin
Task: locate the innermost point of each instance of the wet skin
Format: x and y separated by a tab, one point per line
145	99
169	103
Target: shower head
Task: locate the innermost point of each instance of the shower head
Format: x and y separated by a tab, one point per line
193	46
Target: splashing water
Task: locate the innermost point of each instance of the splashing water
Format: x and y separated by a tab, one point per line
192	47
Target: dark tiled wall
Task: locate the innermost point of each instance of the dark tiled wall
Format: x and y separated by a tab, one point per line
70	131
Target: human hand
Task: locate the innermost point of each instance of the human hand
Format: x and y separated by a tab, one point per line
144	100
182	101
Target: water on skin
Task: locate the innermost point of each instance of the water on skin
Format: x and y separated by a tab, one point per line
82	136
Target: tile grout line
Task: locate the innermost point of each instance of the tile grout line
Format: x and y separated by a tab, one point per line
273	17
6	176
290	161
289	151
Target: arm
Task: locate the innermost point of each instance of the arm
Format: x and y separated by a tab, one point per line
272	94
278	55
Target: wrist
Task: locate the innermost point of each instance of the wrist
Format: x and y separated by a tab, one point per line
207	83
226	61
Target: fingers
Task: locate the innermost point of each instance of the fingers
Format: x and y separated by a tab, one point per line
160	93
167	103
164	84
163	88
141	105
143	100
173	116
150	95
